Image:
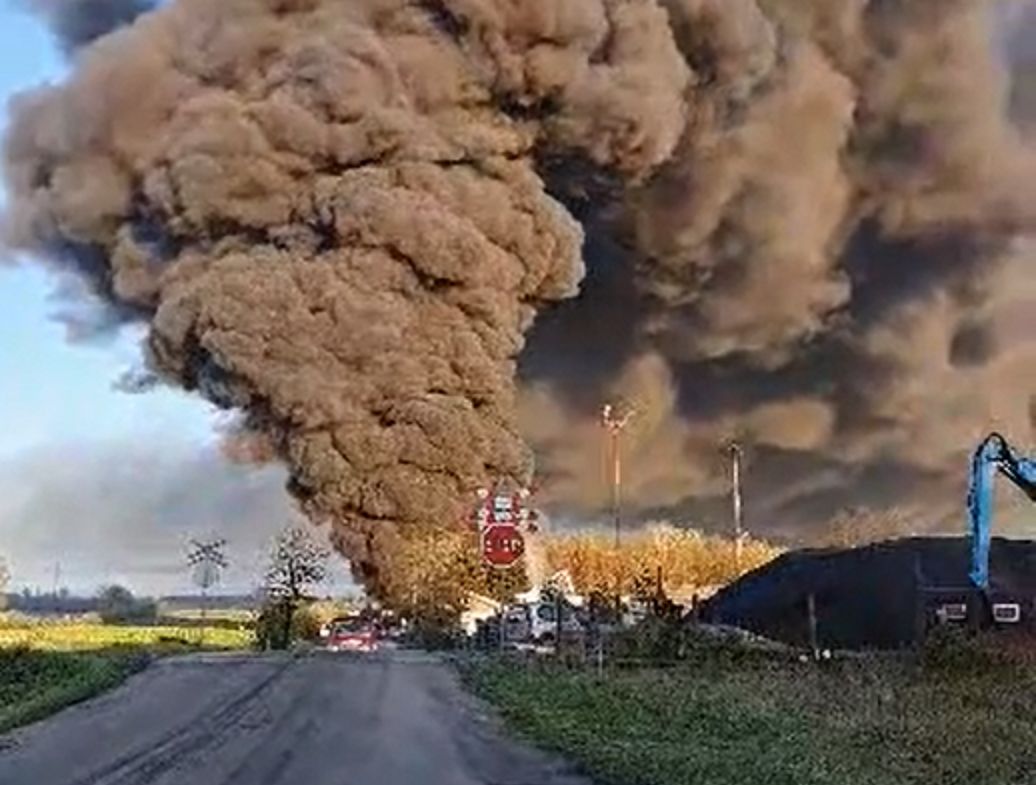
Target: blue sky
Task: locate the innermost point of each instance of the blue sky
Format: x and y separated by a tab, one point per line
107	485
49	387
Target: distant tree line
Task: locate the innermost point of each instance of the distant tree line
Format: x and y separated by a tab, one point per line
113	602
858	526
38	603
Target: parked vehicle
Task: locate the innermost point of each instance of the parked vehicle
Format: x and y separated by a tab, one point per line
537	622
350	634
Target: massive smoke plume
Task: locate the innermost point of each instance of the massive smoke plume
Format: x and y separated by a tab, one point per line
800	221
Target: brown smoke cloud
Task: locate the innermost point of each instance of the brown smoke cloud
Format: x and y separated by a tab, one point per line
331	215
799	221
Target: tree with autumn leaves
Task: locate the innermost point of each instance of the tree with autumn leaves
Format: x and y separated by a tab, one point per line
436	572
681	558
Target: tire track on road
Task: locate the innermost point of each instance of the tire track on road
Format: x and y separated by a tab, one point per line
203	732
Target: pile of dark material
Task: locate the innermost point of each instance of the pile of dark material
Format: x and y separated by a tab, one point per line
870	597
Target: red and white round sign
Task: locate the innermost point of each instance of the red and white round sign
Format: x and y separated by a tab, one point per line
502	545
501	516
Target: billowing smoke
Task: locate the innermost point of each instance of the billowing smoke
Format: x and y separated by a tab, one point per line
77	23
799	219
832	265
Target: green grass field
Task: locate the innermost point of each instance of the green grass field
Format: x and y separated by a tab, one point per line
863	722
87	637
45	665
234	615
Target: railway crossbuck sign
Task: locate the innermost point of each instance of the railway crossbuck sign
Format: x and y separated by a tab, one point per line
500	518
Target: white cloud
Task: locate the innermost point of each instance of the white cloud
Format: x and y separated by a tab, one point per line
125	511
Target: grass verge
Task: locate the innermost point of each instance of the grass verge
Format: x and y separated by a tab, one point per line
861	722
35	684
45	666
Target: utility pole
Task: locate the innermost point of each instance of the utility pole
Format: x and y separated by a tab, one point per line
615	425
737	456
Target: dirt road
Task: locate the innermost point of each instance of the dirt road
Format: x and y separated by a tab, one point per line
399	719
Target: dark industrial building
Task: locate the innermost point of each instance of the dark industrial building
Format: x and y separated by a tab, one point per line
880	596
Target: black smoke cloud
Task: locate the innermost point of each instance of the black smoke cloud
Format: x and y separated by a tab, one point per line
1018	42
81	300
807	228
832	269
77	23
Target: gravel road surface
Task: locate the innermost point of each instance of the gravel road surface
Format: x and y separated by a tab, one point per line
393	719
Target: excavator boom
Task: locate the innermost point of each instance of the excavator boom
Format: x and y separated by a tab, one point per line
993	456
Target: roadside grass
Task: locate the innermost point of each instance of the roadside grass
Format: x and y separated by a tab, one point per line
35	684
864	721
48	665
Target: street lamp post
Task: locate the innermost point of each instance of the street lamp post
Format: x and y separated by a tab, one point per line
615	425
737	457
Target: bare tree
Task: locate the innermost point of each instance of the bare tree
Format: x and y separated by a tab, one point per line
857	526
297	564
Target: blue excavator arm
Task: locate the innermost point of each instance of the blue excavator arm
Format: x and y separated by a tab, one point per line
994	456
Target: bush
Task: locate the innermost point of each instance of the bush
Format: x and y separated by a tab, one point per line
435	628
652	639
273	630
660	640
434	637
324	611
959	650
306	623
117	605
